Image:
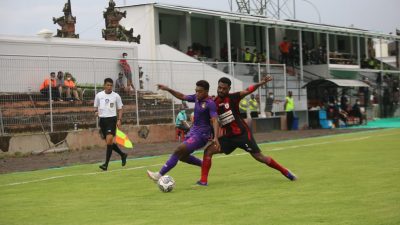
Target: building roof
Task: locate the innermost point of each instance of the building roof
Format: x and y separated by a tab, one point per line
265	21
336	83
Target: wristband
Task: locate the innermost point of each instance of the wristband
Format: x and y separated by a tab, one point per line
251	88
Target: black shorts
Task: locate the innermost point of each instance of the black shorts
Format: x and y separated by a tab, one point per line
229	144
108	125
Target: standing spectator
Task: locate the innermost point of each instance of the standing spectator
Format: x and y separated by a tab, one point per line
247	56
356	111
70	86
127	71
253	106
46	86
119	83
109	109
344	101
243	105
224	53
284	47
269	102
289	108
60	82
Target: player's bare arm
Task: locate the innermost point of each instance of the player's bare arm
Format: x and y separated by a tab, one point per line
119	118
215	124
254	87
176	94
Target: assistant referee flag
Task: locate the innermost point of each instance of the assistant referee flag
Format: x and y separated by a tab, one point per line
122	139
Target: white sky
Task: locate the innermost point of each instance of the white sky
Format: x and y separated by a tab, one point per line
27	17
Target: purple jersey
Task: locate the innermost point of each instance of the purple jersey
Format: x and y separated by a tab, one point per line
204	110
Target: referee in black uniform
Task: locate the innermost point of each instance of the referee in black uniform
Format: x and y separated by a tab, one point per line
109	110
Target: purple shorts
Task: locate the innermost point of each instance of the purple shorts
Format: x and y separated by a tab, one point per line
195	141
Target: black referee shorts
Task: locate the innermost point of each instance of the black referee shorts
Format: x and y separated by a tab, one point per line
245	141
108	125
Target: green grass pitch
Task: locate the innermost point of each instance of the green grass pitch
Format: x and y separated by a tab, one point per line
343	179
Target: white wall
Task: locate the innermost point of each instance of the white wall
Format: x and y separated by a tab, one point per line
144	21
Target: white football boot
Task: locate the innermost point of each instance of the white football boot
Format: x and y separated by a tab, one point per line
155	176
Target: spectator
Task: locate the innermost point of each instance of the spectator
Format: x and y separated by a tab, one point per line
284	47
224	53
215	64
127	71
119	83
344	100
289	108
70	86
253	106
46	86
190	52
247	56
356	111
243	105
60	82
269	102
181	120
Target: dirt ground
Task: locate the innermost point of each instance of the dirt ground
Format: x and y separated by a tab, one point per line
54	160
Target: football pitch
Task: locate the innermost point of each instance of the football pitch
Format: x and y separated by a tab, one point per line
343	179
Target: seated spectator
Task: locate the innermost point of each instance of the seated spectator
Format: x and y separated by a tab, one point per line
71	87
60	82
119	83
190	51
181	120
45	86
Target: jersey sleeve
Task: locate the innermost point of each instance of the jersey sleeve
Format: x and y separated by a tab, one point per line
190	98
213	109
119	102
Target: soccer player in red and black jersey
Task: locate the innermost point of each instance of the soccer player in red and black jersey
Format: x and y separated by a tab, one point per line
234	132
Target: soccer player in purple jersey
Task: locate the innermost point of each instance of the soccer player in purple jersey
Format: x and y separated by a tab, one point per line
205	121
234	131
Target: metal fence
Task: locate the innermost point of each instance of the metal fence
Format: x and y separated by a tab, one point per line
24	109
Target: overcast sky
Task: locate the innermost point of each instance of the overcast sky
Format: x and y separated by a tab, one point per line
27	17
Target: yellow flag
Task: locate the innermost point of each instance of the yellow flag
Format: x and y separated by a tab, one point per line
122	139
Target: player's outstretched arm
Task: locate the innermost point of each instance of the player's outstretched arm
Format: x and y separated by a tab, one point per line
176	94
215	125
254	87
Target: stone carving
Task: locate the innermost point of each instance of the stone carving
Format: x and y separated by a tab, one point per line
114	31
67	23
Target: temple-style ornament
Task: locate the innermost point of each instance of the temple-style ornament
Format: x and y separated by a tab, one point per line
67	23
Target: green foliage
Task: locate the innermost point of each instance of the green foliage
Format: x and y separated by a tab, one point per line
343	179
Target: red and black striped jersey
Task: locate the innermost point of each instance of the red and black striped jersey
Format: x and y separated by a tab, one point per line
229	116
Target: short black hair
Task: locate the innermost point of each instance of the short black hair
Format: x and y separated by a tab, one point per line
124	53
53	73
108	80
204	84
225	80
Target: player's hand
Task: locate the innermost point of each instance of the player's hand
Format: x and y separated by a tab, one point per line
266	79
119	123
96	114
162	87
216	144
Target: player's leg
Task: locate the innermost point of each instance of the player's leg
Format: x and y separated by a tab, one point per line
193	143
207	162
227	146
109	143
273	164
171	163
121	153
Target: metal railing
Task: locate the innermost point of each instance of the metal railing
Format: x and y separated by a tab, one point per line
23	108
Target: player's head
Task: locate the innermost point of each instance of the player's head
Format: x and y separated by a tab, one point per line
202	88
124	54
224	86
108	85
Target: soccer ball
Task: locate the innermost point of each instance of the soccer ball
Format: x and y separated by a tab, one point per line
166	183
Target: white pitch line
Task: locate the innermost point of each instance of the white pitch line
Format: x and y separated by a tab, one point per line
219	156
